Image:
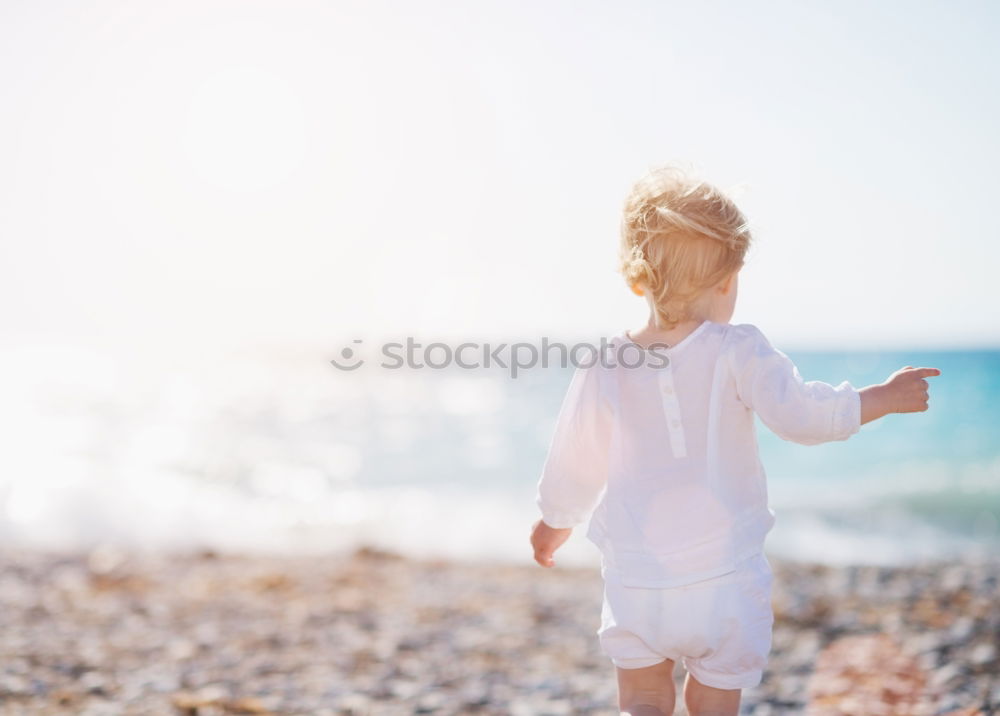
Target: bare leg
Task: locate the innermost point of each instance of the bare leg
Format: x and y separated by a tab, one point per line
648	691
702	700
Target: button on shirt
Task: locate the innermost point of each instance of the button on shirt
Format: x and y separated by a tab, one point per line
658	448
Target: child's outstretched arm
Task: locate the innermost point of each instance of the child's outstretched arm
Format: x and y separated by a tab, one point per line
905	391
815	412
576	468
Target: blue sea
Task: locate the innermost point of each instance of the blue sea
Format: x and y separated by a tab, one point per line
270	452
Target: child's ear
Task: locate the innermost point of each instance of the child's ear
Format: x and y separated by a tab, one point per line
638	290
727	284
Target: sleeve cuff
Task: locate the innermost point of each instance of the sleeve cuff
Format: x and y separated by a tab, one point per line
556	519
847	414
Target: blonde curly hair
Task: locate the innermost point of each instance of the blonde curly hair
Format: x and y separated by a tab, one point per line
679	237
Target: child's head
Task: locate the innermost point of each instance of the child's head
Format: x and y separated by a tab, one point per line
680	238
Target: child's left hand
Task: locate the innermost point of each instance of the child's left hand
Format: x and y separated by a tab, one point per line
546	540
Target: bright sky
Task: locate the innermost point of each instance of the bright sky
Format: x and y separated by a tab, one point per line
305	172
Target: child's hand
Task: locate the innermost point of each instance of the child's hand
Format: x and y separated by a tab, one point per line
905	391
546	540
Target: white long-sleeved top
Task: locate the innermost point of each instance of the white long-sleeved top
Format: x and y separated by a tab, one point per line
659	448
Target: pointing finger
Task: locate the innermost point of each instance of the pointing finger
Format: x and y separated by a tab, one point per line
926	372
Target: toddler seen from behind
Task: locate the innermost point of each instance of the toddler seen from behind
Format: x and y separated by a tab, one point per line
655	443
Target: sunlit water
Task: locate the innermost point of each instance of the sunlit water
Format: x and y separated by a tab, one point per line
288	454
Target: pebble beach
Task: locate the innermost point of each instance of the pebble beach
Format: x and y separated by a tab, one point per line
372	632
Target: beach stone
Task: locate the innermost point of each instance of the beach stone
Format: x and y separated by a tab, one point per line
962	628
983	653
892	622
14	685
953	577
944	674
803	648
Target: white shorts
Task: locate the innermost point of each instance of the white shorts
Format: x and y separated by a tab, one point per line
720	627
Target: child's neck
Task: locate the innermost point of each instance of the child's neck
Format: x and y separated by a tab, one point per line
654	332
